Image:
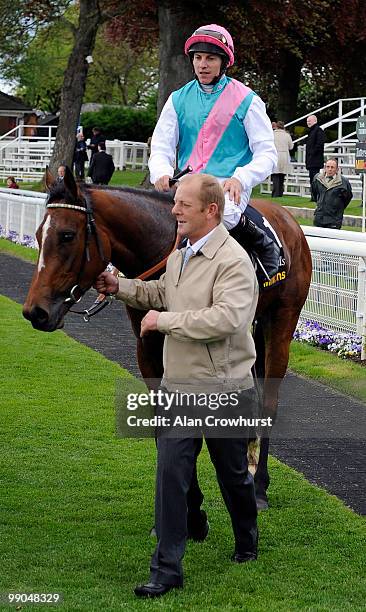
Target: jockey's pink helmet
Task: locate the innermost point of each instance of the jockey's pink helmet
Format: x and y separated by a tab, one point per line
208	37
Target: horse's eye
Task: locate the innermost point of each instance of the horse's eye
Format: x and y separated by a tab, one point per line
67	236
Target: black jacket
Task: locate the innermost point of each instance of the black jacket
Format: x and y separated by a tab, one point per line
331	199
80	154
101	168
314	155
94	141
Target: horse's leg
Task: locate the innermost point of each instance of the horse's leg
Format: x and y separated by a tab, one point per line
278	329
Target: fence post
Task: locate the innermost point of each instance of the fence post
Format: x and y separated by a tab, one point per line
361	305
21	226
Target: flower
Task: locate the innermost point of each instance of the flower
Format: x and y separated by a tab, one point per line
344	344
13	236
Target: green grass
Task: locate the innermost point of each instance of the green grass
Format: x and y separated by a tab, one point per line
304	221
77	503
340	374
120	177
25	253
354	208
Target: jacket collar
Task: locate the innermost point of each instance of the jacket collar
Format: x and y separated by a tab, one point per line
216	240
336	180
209	249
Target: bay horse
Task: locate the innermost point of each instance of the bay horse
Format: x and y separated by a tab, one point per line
85	227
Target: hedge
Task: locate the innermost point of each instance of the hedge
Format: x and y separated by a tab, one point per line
122	122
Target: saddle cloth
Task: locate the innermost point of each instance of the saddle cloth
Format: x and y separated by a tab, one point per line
264	225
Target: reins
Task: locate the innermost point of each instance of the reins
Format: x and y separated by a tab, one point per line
91	229
160	265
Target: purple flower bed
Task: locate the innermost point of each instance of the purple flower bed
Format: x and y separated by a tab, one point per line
345	345
27	241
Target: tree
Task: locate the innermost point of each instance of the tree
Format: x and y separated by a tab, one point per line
120	74
281	41
40	74
90	18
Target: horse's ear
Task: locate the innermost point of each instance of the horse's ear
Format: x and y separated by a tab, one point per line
49	179
70	183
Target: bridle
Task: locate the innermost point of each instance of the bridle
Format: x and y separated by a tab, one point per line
77	292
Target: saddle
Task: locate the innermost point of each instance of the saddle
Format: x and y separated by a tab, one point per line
262	260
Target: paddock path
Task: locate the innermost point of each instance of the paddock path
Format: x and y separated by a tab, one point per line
335	464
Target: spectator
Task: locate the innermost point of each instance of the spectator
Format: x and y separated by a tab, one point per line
283	143
11	183
96	139
60	173
101	166
314	155
80	156
332	193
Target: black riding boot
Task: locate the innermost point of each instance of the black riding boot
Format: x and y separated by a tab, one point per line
265	251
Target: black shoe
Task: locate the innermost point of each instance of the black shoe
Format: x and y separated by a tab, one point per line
154	589
198	530
246	555
243	558
255	240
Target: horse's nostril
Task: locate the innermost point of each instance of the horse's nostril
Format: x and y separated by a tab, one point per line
38	315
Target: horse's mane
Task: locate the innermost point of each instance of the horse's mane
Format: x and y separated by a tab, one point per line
139	191
147	201
59	191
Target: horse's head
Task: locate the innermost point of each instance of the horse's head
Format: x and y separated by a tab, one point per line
72	252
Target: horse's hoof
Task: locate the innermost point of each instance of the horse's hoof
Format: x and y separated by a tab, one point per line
262	503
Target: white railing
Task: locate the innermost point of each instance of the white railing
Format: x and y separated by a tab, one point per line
21	214
337	292
297	181
359	105
27	158
343	148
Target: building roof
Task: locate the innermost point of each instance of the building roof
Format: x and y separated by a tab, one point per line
9	103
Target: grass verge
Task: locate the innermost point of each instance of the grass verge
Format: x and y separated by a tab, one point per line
17	250
120	177
341	374
354	207
77	503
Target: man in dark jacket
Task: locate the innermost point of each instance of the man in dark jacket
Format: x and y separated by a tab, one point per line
96	139
314	156
101	166
333	193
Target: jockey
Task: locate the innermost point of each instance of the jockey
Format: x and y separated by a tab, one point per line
220	127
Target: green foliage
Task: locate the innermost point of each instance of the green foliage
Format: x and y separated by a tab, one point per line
118	74
123	123
121	74
41	73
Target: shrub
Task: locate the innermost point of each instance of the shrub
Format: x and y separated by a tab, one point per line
121	122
